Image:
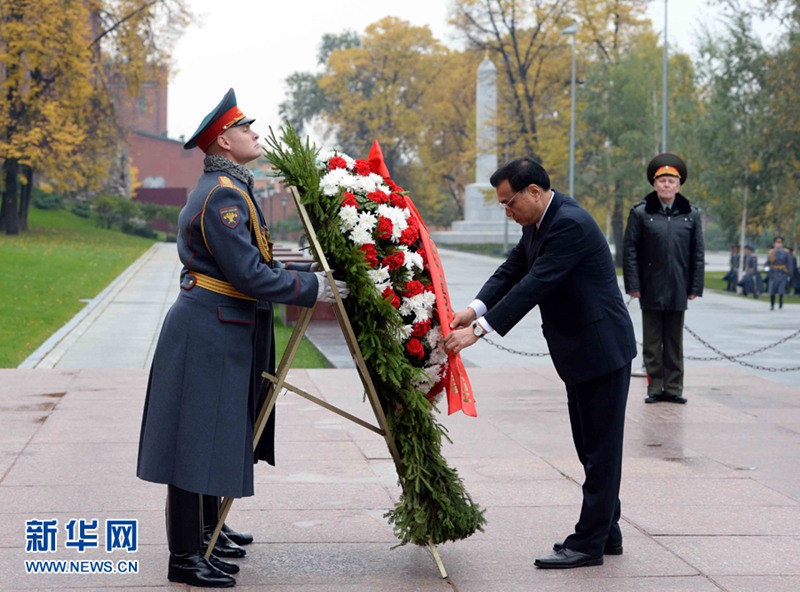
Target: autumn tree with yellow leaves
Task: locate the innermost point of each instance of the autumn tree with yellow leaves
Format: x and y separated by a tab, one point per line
399	85
62	63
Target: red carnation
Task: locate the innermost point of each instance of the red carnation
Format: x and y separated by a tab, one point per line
349	199
370	254
415	349
413	288
361	167
430	288
392	185
388	294
394	261
422	253
437	388
409	236
421	329
379	197
397	200
385	228
337	162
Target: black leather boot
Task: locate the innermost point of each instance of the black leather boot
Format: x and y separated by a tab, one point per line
224	547
222	565
240	538
195	570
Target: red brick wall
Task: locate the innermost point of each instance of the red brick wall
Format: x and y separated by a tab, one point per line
161	157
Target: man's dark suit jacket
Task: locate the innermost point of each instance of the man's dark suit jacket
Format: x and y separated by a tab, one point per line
566	268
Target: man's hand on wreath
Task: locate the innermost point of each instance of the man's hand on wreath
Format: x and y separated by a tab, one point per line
460	339
463	318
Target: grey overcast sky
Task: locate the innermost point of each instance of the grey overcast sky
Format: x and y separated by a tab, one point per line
253	45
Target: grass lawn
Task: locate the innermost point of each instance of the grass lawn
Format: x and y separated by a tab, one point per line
49	272
715	282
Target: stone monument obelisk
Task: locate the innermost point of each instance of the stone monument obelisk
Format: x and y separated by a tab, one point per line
484	221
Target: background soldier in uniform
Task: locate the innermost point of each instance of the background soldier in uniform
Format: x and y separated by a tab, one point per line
663	265
779	270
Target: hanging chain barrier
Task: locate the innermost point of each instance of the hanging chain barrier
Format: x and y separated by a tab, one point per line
735	358
515	351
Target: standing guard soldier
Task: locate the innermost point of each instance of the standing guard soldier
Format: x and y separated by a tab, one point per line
751	281
779	270
664	266
217	339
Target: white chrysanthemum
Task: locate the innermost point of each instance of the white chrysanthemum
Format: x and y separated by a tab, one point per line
364	184
349	217
412	261
434	372
438	397
404	332
379	277
420	306
434	337
361	236
326	155
367	221
333	181
438	355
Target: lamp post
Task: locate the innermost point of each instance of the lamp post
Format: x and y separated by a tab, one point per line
664	88
270	193
573	31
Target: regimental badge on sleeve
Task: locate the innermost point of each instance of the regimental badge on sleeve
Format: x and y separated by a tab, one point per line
230	216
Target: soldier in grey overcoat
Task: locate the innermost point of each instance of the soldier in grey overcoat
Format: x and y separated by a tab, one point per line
217	339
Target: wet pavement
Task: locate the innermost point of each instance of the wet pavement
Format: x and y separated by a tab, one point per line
710	493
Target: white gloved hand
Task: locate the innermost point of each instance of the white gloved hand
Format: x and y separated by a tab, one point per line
324	290
314	266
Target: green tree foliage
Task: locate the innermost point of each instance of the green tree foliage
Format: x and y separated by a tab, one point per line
733	70
524	40
305	100
397	84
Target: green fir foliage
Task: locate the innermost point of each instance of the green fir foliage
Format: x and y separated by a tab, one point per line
434	506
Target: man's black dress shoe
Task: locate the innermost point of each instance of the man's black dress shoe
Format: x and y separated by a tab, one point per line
655	398
609	549
195	570
224	546
222	565
674	399
565	559
240	538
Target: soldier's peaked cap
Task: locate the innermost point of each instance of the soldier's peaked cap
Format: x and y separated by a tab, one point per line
666	163
222	117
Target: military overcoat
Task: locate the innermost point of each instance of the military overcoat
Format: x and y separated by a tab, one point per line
197	427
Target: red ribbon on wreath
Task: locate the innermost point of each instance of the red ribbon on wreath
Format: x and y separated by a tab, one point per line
457	385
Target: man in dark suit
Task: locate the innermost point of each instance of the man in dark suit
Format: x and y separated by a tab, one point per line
563	264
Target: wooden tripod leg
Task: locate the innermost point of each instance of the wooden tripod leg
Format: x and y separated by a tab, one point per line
358	358
272	395
224	508
437	559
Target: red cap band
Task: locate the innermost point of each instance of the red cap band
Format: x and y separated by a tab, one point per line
667	170
223	122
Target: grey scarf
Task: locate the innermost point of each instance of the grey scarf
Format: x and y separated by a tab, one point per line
214	163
